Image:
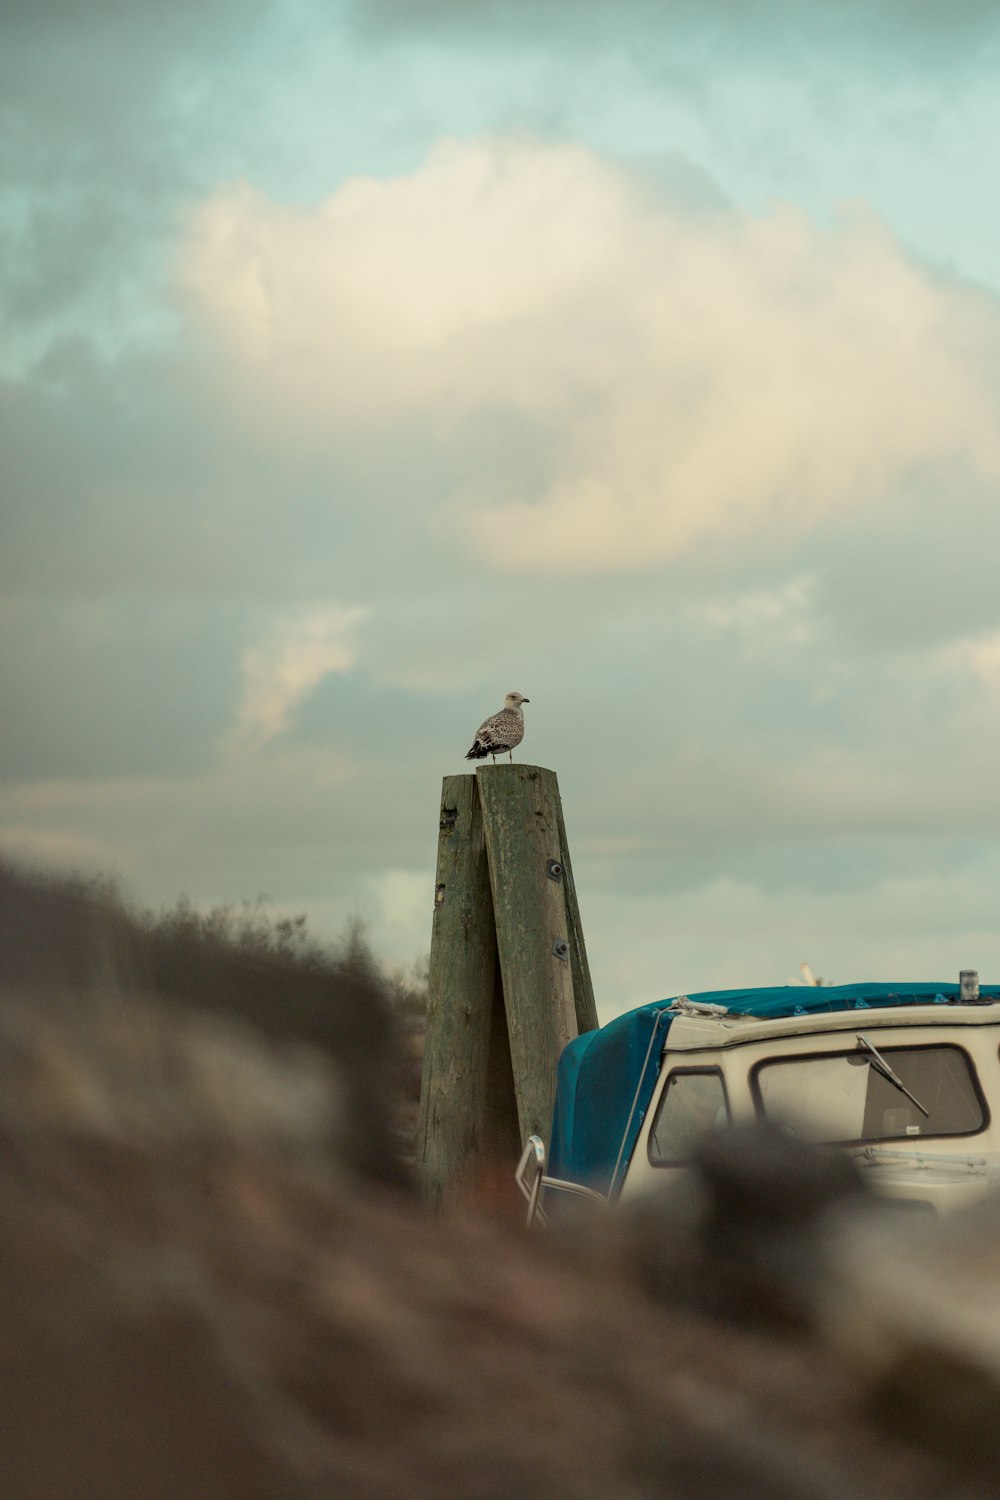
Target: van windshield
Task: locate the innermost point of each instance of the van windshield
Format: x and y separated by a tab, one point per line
847	1096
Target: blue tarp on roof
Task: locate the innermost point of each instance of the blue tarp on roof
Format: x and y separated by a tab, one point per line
606	1077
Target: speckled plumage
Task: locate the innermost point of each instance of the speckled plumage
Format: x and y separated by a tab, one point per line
501	731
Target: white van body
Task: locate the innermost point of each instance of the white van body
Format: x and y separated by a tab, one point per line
905	1159
905	1079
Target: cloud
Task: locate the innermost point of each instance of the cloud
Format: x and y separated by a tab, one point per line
280	672
898	28
111	114
694	377
974	660
221	834
762	615
403	902
923	922
713	486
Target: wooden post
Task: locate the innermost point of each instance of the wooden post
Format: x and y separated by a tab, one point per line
461	982
583	985
509	979
527	878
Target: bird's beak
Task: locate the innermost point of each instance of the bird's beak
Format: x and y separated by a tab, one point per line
525	700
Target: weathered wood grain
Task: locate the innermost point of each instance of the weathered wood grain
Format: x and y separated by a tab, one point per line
583	985
455	1089
502	1134
520	808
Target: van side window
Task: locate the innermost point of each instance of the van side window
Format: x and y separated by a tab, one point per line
692	1105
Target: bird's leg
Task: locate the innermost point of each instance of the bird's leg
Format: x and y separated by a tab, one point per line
511	754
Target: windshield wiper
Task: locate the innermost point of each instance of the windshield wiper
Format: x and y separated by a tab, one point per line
888	1072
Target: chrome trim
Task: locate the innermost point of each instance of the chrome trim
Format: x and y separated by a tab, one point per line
531	1179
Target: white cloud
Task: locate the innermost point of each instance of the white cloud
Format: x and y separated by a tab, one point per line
922	925
760	613
404	907
219	835
978	655
695	376
284	668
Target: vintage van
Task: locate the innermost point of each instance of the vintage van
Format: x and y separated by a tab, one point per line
904	1077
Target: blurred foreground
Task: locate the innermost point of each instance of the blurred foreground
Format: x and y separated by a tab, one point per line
216	1281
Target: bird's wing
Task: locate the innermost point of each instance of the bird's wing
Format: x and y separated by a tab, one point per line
504	729
490	728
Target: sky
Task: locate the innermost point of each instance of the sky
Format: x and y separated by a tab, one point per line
362	362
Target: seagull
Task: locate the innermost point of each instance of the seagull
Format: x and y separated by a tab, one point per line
500	731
